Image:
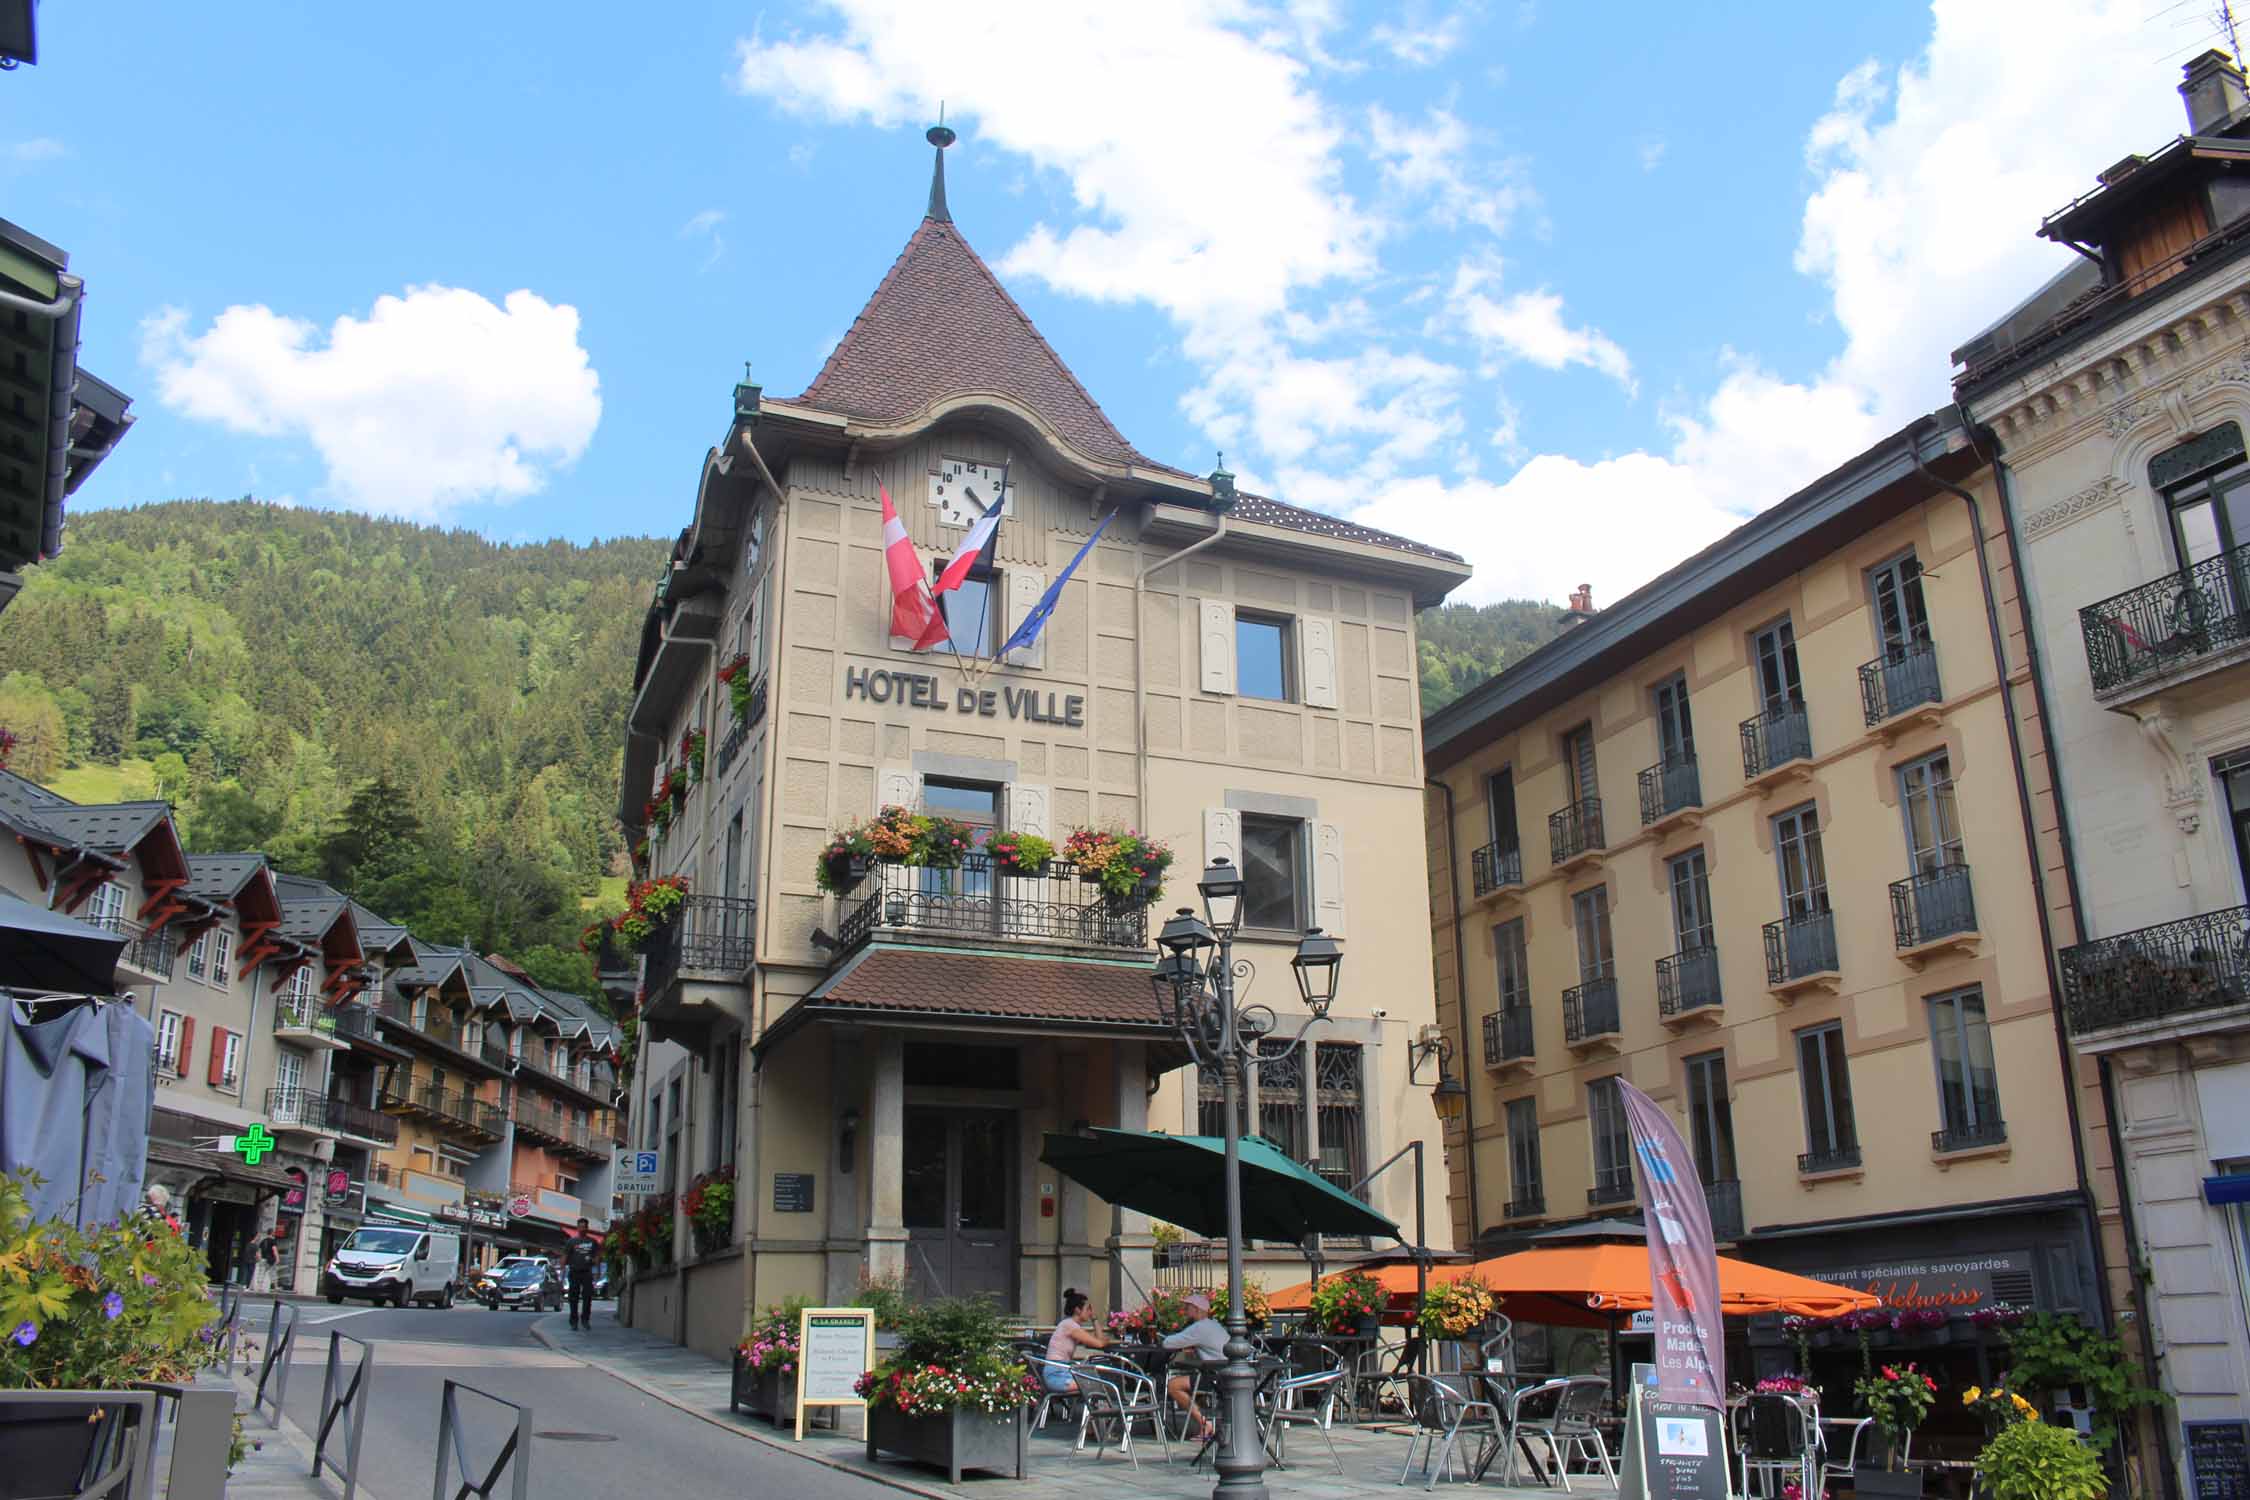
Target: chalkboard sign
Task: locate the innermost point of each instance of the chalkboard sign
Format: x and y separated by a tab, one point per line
836	1345
792	1192
1672	1451
2219	1459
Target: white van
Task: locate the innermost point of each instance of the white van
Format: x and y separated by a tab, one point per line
395	1264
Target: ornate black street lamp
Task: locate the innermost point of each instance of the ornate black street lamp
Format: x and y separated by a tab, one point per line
1195	980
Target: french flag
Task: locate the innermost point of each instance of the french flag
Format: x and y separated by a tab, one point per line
979	540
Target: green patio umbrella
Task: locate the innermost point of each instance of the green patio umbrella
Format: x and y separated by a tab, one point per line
1181	1179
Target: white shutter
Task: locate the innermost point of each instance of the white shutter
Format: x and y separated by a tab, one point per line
897	787
1024	589
1027	808
1317	636
1222	834
1328	878
757	643
1215	625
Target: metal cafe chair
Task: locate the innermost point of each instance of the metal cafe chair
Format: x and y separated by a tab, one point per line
1139	1398
1441	1409
1290	1409
1571	1427
1775	1436
1093	1392
1862	1428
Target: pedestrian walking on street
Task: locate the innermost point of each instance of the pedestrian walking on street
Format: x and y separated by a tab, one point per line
269	1259
579	1257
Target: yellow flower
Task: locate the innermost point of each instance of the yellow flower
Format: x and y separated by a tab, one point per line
1969	1396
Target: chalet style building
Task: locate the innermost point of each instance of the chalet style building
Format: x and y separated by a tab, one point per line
872	1052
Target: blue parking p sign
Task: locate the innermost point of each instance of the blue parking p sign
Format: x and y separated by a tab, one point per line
644	1163
639	1172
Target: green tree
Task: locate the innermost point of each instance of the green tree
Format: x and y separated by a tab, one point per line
29	711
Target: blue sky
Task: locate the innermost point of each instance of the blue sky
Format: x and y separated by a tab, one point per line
1574	288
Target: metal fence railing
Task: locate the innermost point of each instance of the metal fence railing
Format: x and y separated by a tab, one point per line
273	1361
343	1401
513	1459
227	1332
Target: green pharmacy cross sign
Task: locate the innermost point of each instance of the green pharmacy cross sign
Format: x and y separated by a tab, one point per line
253	1144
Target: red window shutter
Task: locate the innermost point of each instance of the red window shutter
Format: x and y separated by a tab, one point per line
218	1056
187	1045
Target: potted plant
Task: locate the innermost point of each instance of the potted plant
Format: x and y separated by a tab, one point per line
1454	1309
1024	856
1898	1397
103	1308
691	754
951	1396
2027	1459
709	1202
940	843
1929	1323
1348	1302
887	1296
844	863
1997	1406
1257	1311
765	1364
1127	865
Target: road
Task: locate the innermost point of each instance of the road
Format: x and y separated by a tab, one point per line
598	1439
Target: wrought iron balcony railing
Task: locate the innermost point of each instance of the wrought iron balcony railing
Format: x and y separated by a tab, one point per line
1898	680
1837	1159
361	1120
1800	945
1526	1205
2149	631
1507	1035
1775	738
1575	830
1989	1130
2160	973
296	1109
495	1055
1687	980
709	935
976	900
304	1015
1932	905
1668	786
1590	1010
1495	867
355	1021
1611	1185
151	950
1724	1199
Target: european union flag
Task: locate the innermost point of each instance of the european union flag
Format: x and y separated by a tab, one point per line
1033	622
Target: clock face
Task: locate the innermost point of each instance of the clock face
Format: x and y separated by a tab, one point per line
963	490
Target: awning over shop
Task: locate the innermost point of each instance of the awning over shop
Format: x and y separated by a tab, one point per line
379	1211
222	1164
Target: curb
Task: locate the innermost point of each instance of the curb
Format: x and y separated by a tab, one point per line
542	1329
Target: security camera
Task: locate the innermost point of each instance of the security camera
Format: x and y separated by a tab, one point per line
1380	1014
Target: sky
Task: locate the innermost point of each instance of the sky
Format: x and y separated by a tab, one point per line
1572	289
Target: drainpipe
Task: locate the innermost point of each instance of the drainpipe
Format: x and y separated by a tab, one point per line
2126	1220
1140	652
1461	1008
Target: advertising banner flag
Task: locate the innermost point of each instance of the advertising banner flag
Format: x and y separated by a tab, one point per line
1683	1258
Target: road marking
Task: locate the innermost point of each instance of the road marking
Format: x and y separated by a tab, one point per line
336	1317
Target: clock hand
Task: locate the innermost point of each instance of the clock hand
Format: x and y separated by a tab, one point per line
971	491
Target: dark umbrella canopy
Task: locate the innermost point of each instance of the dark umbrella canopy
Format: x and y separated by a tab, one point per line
1181	1179
45	950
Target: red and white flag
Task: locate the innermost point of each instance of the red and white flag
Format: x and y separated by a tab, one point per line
914	612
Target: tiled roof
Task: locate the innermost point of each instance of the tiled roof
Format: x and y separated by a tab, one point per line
112	827
221	877
1264	512
940	325
23	805
377	933
924	981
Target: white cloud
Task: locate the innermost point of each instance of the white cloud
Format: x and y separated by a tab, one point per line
37	149
435	399
1419	42
705	226
1528	326
1652	154
1430	161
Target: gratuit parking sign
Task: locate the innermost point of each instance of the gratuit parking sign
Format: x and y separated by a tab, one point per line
639	1171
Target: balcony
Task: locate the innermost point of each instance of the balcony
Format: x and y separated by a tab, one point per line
1590	1018
1837	1159
1671	794
354	1023
1776	745
149	951
306	1022
1529	1205
2184	625
1933	912
1687	987
577	1137
976	903
495	1055
1989	1130
698	968
1574	834
1895	684
360	1121
1496	869
1611	1185
1724	1199
1507	1038
2175	978
298	1112
1801	955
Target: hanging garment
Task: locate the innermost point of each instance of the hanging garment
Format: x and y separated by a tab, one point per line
52	1073
117	1127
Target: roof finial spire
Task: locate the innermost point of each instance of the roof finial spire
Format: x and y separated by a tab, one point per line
941	137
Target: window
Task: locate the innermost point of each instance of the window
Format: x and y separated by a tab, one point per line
107	909
1500	808
1831	1135
1514	964
1775	652
222	954
1933	826
199	957
1901	618
1341	1119
1261	658
1272	883
1281	1098
1675	730
1590	914
976	803
1804	870
672	1137
1523	1156
421	1013
1578	765
168	1041
1968	1084
1613	1151
1711	1116
2206	489
1211	1103
755	542
972	613
1692	928
300	991
288	1072
230	1062
567	1185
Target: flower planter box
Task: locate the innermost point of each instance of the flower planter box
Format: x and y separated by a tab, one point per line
846	874
1887	1484
55	1447
763	1393
1026	872
953	1441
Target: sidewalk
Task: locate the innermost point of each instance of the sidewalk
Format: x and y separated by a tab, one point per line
699	1385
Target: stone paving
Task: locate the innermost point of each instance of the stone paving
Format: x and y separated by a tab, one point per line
699	1384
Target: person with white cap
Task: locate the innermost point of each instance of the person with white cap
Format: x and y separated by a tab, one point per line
1205	1340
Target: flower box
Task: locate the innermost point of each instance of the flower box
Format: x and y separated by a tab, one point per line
763	1393
56	1446
1025	872
954	1440
845	873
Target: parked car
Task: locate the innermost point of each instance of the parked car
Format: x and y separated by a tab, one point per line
397	1266
527	1282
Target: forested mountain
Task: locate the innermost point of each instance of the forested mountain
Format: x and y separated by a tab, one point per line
423	716
1463	644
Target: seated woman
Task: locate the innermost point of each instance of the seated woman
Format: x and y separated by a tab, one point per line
1069	1337
1206	1337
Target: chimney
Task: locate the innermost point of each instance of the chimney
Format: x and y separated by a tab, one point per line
1582	599
2214	91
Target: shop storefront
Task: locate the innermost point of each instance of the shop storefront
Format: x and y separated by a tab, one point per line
219	1200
